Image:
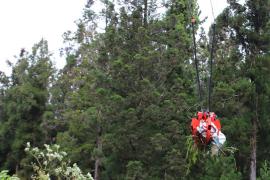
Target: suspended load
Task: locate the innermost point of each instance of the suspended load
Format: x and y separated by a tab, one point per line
206	130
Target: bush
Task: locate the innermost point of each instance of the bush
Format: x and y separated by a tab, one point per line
4	176
51	162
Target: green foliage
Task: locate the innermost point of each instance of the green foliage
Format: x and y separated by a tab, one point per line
50	162
24	103
223	168
241	89
215	167
134	170
4	176
191	155
121	106
133	96
264	171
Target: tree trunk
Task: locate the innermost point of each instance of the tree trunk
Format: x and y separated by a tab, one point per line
253	152
145	17
98	158
253	155
17	169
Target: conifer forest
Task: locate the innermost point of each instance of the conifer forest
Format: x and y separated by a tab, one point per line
121	107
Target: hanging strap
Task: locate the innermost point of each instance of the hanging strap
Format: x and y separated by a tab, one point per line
208	130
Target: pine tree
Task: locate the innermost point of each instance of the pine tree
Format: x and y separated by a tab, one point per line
133	94
244	32
24	104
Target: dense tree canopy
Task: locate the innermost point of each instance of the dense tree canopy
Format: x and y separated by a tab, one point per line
122	105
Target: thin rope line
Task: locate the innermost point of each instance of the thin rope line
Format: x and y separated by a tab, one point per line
213	14
190	9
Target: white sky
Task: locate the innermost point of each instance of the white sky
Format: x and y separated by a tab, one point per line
206	11
25	22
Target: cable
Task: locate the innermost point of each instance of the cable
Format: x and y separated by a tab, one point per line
193	21
196	61
211	67
211	58
213	14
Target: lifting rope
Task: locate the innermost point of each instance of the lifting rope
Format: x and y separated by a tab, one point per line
211	58
193	22
205	127
211	68
212	9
